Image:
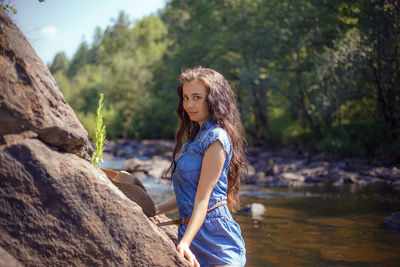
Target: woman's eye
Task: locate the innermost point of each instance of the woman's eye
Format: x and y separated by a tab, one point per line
197	97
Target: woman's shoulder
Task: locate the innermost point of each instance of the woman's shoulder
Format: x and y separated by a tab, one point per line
216	132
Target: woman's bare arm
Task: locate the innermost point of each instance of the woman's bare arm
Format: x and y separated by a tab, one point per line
169	205
212	165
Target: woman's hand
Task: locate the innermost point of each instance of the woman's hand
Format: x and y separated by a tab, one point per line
183	249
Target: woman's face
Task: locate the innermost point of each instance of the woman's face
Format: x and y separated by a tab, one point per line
194	96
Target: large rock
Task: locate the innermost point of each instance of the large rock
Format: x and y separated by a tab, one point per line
30	98
64	211
56	209
8	260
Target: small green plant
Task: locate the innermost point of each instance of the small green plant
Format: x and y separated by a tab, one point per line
8	7
100	134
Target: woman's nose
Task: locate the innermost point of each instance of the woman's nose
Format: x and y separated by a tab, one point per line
191	104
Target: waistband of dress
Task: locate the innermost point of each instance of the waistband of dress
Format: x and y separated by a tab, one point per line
187	219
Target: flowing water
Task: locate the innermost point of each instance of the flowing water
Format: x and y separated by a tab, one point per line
317	226
323	226
314	226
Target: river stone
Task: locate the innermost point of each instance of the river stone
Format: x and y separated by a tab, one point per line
315	164
159	167
277	181
163	147
65	212
251	170
30	99
275	169
257	179
256	210
348	177
393	221
316	172
136	165
290	176
396	184
155	167
313	179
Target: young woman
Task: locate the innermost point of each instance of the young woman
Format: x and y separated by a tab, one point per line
206	174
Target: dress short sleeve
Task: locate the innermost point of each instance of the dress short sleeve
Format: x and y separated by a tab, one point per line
217	134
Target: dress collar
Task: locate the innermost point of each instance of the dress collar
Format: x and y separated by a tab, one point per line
208	123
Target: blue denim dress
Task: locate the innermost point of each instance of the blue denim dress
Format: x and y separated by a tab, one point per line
219	240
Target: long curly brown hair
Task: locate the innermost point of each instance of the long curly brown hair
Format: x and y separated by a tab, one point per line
223	110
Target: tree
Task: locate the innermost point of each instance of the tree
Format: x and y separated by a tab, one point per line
305	71
379	21
80	59
60	63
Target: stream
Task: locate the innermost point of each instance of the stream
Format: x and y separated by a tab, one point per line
321	225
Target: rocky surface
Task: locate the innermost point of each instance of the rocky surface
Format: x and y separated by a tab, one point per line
170	230
56	209
278	168
282	168
30	99
143	149
8	260
143	158
66	211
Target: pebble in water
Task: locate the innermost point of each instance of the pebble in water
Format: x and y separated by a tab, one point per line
393	221
256	210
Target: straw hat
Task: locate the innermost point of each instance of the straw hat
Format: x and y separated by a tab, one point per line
133	188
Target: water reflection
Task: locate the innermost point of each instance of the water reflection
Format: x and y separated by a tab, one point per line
317	226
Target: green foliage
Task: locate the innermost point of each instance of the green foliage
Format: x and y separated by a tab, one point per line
307	72
100	134
64	85
60	63
79	60
362	139
88	121
8	7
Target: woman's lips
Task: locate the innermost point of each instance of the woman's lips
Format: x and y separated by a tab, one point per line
192	113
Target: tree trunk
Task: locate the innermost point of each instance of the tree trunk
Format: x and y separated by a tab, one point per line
385	50
306	117
260	111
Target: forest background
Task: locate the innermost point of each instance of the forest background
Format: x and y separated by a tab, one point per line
307	73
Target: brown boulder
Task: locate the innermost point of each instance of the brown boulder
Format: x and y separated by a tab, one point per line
56	209
30	99
8	260
170	230
65	212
